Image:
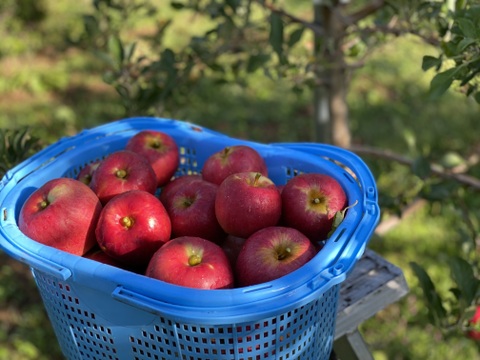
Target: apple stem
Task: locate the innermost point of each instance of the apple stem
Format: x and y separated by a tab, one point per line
121	174
225	152
257	176
316	201
127	221
44	204
194	260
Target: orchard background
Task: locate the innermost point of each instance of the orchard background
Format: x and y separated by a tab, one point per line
394	81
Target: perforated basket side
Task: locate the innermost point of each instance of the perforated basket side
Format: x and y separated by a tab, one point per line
302	333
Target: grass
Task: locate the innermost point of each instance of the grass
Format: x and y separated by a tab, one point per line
57	90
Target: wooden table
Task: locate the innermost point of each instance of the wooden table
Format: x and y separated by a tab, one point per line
373	284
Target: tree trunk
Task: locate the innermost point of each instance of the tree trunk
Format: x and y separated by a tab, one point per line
330	105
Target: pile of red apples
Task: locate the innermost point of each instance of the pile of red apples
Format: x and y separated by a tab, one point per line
228	226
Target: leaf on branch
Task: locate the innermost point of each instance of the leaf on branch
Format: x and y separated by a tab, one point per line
467	27
421	167
429	62
435	306
477	97
295	36
115	49
464	44
276	34
256	61
462	274
441	82
177	5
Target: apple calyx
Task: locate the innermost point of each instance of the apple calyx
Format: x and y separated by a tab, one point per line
127	221
194	260
319	201
157	145
43	204
187	201
283	253
122	174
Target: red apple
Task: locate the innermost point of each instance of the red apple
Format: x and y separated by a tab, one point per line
62	213
122	171
310	202
192	211
132	226
161	151
86	173
231	160
192	262
474	323
232	245
271	253
174	185
247	202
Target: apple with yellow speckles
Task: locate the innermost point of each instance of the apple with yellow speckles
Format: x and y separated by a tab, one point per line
310	202
160	149
122	171
193	262
271	253
246	202
62	213
230	160
132	227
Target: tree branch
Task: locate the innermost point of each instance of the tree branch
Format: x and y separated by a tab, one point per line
294	19
367	10
434	168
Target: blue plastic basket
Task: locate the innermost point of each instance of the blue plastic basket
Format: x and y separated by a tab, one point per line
102	312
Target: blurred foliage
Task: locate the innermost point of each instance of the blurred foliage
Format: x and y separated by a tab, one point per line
16	146
458	64
252	77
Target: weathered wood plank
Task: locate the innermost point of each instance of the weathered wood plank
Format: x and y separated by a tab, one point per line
373	284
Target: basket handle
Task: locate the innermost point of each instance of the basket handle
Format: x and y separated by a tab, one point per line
34	261
155	306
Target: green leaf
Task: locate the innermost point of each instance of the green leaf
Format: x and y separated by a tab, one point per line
459	4
256	61
476	96
451	159
129	51
115	49
177	5
435	306
462	274
103	56
295	36
233	4
167	59
441	82
421	167
276	33
91	26
438	190
430	61
463	44
467	27
338	218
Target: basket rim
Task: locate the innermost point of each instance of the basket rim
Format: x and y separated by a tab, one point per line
347	244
